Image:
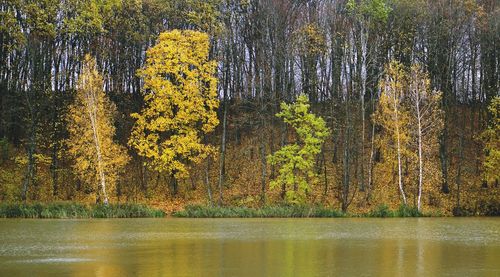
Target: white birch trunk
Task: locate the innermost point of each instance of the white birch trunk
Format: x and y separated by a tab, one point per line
92	111
400	178
417	98
364	42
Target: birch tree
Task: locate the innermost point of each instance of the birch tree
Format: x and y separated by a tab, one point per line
97	158
392	116
427	118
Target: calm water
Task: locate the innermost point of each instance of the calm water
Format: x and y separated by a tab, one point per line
251	247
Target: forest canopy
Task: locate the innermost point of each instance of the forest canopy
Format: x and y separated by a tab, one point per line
408	91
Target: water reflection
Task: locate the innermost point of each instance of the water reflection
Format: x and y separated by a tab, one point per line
251	247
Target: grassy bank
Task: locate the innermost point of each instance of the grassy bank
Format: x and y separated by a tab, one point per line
403	211
196	211
76	210
381	211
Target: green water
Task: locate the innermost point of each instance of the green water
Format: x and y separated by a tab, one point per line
251	247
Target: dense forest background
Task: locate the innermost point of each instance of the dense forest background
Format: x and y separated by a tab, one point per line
267	52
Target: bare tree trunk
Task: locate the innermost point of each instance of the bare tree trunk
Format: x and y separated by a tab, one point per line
264	170
143	169
207	182
55	115
346	160
363	109
420	162
53	169
54	162
222	162
443	155
370	169
30	171
345	186
400	177
460	162
283	143
325	177
175	184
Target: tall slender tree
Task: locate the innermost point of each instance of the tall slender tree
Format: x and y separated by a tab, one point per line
392	116
427	118
97	158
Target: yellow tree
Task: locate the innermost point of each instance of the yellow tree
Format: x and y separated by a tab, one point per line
180	103
491	138
97	158
427	122
392	116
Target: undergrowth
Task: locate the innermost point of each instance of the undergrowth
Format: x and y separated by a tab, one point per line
76	210
197	211
294	211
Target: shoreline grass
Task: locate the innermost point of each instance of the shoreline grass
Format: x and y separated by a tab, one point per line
76	210
73	210
197	211
382	211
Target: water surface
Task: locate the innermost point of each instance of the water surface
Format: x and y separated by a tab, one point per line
251	247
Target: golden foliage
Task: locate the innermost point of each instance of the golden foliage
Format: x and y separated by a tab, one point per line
393	117
411	119
491	138
311	40
91	130
426	126
180	103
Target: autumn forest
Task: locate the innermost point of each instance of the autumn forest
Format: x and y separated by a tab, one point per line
344	104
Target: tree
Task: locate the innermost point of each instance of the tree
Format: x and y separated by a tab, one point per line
311	44
491	138
297	160
427	116
97	158
393	118
267	52
180	103
369	16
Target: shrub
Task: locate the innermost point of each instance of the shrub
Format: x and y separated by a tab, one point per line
489	208
407	211
381	211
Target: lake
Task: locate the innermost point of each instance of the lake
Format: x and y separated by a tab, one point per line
251	247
